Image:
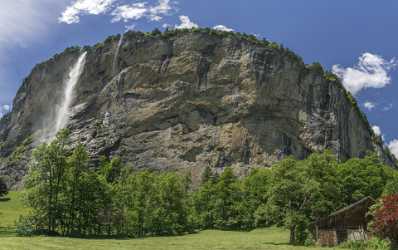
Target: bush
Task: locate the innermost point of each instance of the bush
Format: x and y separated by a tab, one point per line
3	187
379	244
25	226
355	245
373	244
385	224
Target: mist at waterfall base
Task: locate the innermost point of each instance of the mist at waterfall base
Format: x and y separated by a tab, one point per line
60	118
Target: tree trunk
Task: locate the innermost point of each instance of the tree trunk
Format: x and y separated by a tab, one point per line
292	240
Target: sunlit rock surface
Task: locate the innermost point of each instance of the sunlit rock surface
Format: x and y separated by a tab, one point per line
189	100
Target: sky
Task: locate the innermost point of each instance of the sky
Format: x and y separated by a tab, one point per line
355	39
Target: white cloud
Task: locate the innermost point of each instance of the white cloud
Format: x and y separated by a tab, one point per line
4	109
222	28
23	23
130	27
84	7
370	72
186	23
140	10
393	146
125	12
369	105
129	12
388	107
163	8
376	130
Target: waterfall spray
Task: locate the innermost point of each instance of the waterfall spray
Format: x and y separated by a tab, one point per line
114	65
64	112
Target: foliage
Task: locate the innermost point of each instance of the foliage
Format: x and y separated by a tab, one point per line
302	192
3	187
372	244
68	196
385	223
154	204
363	177
25	226
221	203
331	76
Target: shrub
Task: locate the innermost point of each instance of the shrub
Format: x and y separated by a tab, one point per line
25	226
373	244
378	244
3	187
385	224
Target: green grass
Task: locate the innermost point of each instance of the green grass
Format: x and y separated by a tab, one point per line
261	239
10	210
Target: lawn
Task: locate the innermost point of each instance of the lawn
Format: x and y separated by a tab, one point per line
10	210
261	239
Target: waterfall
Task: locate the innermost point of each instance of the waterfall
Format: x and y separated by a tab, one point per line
64	112
114	65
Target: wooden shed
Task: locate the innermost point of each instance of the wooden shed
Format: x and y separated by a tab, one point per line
349	223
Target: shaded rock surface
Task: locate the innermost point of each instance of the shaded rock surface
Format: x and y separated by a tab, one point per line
186	101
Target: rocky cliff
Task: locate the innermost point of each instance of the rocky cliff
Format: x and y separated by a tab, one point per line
184	100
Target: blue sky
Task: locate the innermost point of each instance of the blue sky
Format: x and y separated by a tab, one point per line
358	35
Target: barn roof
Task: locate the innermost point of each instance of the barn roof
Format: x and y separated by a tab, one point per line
351	215
368	201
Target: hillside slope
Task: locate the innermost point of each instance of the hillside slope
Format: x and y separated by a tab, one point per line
188	99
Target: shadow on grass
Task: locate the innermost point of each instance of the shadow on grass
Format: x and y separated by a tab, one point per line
276	244
4	199
7	232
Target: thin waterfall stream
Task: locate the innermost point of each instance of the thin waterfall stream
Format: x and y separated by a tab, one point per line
64	111
115	58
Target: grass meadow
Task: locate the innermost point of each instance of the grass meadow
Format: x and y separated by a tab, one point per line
260	239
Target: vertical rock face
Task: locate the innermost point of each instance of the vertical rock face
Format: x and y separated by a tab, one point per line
186	100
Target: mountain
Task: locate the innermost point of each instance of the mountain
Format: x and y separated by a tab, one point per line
184	100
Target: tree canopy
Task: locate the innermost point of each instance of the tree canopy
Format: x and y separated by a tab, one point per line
69	195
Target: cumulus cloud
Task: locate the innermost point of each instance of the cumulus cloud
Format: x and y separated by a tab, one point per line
84	7
372	71
129	12
376	130
163	8
4	109
369	105
393	146
124	12
222	28
186	23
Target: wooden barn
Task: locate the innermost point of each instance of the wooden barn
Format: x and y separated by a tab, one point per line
349	223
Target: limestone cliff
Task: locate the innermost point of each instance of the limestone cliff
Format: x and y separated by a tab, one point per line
188	99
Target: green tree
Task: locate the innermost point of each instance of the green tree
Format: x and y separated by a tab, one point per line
45	183
256	187
362	177
220	203
3	187
302	191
